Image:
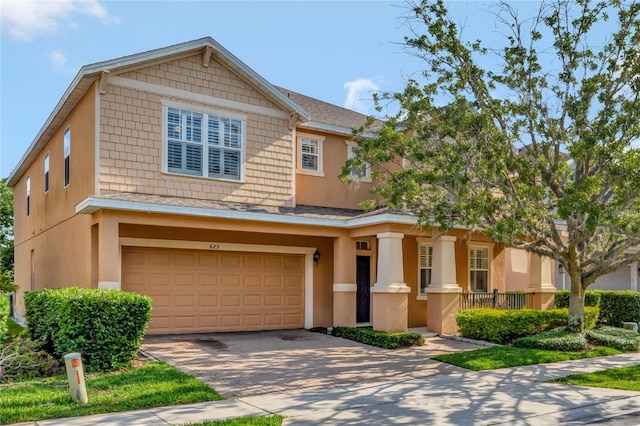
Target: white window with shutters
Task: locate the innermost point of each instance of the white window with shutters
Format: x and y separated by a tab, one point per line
363	174
425	265
204	143
479	269
310	154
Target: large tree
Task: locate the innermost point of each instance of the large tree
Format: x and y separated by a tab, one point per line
6	238
531	141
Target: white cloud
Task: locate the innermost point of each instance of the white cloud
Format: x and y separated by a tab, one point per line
59	61
360	94
25	19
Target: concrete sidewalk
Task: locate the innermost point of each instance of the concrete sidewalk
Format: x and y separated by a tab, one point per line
507	396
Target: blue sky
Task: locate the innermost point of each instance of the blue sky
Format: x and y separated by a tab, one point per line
338	52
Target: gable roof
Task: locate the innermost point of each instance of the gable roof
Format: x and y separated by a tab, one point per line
89	74
327	117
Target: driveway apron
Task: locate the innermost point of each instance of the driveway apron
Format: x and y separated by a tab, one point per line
256	363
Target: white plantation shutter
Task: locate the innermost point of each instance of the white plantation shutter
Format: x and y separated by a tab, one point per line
479	268
310	152
193	138
426	263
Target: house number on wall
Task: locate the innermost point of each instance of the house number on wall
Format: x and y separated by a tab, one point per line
214	246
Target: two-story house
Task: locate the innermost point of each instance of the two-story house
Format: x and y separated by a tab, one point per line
182	174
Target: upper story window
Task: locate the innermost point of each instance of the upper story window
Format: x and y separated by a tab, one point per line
425	263
205	145
364	172
479	269
46	172
67	156
28	195
310	154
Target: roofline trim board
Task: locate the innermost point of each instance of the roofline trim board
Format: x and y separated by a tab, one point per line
91	205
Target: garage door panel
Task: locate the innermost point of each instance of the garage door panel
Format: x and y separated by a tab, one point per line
198	291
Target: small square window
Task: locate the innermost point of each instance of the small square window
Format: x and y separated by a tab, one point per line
364	172
310	155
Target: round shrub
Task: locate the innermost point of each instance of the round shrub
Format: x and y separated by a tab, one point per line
616	338
558	339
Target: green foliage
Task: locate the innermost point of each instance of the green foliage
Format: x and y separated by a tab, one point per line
14	329
6	227
105	326
22	359
503	326
379	338
512	140
616	306
558	339
591	298
4	315
617	338
6	282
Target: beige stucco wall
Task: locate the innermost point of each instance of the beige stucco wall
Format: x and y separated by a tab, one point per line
59	239
132	140
328	190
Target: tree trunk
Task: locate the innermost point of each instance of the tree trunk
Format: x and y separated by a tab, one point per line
576	304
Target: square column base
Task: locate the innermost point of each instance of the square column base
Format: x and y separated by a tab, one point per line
441	312
344	307
390	311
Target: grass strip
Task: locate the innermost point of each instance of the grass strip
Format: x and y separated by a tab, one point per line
154	384
507	356
625	378
273	420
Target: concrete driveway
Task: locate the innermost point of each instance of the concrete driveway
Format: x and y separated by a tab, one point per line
256	363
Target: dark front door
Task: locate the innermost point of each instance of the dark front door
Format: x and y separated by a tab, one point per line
363	294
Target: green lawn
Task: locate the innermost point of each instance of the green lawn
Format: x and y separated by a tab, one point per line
274	420
154	384
506	356
627	378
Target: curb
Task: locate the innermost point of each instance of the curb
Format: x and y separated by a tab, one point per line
466	340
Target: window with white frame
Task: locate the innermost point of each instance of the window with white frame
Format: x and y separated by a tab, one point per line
204	145
28	195
479	269
364	172
425	266
310	155
46	172
67	156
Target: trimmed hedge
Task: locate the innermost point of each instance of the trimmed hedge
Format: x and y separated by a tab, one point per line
503	326
105	326
380	339
558	339
616	306
617	338
591	298
4	315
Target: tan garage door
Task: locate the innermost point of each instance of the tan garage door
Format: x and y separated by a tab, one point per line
200	291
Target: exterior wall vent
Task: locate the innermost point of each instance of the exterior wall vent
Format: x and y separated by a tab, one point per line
362	245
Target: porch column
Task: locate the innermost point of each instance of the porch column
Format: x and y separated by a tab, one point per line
540	282
443	294
633	276
344	282
390	295
108	253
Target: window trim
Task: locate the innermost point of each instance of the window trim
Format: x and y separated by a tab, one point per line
66	167
28	205
320	141
489	248
206	112
367	167
428	243
47	180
